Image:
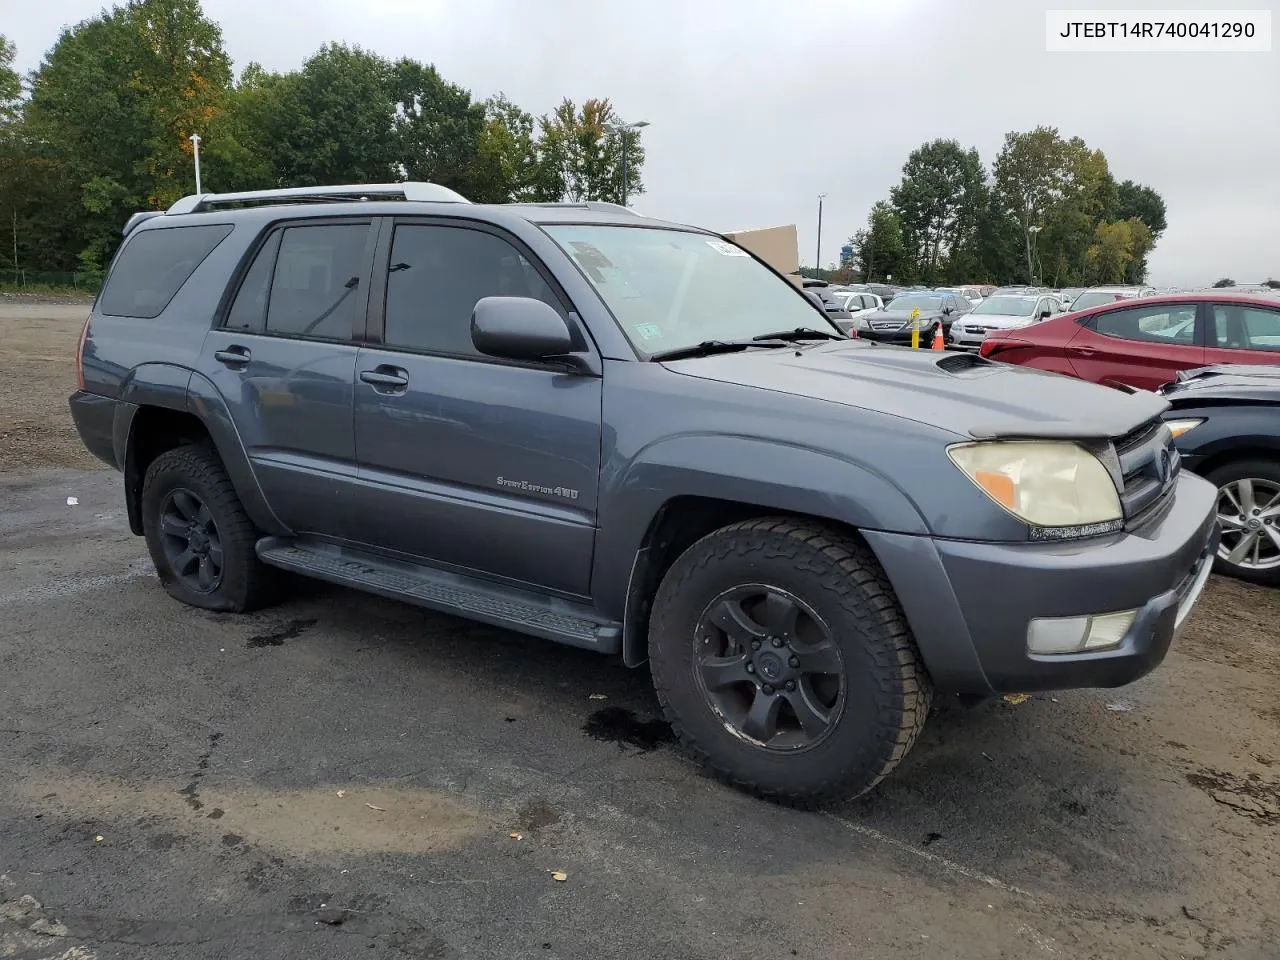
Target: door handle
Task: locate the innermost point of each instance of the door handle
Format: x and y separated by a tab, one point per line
233	356
1084	351
386	377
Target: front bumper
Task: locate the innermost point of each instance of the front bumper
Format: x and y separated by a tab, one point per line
903	335
969	603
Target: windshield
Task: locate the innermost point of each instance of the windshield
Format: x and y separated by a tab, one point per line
1094	299
670	289
915	302
1007	306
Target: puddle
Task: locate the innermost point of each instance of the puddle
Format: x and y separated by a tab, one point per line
620	725
290	631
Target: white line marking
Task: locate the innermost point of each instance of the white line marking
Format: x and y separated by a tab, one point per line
67	586
942	862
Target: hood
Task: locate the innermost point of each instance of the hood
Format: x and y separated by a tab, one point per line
902	316
995	321
1225	383
958	392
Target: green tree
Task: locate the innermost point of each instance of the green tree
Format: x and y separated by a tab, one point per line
333	121
1134	201
1115	247
580	152
938	203
439	130
115	101
10	83
1224	282
878	250
1059	186
508	163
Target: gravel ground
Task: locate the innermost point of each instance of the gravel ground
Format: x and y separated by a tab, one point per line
342	776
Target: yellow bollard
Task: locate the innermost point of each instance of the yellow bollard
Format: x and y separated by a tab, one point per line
915	329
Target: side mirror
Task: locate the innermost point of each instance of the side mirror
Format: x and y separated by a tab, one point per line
1045	314
946	311
817	300
520	328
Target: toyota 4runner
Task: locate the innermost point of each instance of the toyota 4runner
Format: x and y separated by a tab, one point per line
632	436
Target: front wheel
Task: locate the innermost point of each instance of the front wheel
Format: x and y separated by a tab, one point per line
1249	510
784	664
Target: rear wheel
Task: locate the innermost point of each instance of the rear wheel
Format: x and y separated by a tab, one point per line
1249	510
200	539
784	664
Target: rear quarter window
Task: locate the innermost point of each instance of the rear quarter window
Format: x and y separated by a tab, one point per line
154	265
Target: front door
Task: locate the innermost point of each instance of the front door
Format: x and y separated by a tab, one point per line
284	361
1144	345
482	464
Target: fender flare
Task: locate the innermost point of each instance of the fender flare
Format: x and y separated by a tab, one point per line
759	474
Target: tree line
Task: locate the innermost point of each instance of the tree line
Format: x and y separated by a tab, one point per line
1048	211
101	129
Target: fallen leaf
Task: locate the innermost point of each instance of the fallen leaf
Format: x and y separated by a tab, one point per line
342	793
98	838
598	696
516	836
1016	698
559	876
372	807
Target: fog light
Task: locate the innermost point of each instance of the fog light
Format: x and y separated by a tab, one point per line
1059	635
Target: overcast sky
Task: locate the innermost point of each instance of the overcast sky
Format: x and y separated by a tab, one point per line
757	106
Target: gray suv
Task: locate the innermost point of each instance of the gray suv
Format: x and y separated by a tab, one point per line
636	437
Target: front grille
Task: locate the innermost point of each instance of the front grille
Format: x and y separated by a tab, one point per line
885	325
1149	468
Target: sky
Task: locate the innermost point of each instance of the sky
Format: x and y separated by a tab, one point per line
758	106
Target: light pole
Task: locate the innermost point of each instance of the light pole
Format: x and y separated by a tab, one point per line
622	130
1024	220
195	143
818	256
1031	233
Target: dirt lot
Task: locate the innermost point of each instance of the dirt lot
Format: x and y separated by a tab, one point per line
38	357
342	776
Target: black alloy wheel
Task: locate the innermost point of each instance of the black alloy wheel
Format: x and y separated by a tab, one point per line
769	667
191	541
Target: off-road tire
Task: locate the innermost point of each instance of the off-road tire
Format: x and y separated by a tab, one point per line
246	583
888	690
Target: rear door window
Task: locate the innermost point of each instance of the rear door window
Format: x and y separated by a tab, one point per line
315	286
154	265
1246	327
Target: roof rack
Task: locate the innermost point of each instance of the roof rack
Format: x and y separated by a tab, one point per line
412	190
600	206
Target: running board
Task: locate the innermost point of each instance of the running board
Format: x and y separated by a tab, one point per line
523	611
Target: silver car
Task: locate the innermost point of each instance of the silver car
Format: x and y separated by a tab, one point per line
1002	312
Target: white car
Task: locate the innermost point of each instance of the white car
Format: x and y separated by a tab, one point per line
1002	312
858	303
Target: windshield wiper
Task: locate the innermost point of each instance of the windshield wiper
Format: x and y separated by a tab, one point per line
800	333
709	347
704	349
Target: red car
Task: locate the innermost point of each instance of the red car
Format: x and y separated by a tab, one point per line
1145	342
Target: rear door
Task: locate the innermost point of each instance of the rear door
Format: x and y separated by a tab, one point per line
284	360
1142	346
1243	333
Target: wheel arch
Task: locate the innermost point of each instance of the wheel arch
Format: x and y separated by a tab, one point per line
161	420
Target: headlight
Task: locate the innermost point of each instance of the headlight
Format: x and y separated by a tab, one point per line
860	323
1179	427
1044	483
